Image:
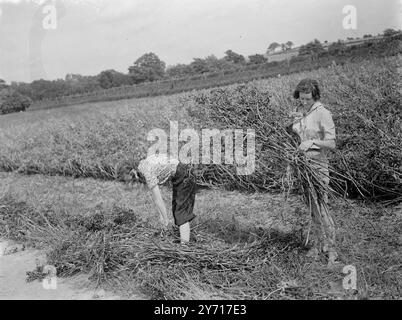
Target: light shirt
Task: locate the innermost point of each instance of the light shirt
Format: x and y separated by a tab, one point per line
157	169
315	124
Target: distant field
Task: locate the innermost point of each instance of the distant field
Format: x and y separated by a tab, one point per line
370	50
82	139
105	139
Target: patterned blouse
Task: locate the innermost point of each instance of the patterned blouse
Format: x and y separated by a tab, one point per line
315	124
157	169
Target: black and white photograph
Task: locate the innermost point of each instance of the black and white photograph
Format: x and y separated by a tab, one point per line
216	152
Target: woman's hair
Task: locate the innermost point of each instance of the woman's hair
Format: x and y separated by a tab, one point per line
308	86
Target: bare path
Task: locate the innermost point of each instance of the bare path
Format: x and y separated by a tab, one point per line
13	285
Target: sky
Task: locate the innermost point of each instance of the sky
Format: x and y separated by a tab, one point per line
49	39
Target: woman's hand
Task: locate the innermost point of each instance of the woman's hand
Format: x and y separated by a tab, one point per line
295	115
325	144
305	145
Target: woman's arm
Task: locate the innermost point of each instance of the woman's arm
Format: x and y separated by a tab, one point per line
328	129
322	144
325	144
160	205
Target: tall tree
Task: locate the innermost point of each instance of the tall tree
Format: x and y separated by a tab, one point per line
81	84
73	77
179	71
257	59
3	90
273	46
111	78
390	32
147	68
203	65
214	64
337	48
199	66
289	45
234	57
3	84
312	48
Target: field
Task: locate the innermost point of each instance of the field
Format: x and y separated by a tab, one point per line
65	182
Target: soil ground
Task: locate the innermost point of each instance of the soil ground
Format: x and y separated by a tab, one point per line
13	284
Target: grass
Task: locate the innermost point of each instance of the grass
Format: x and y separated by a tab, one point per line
247	246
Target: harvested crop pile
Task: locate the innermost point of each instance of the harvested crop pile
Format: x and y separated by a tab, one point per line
119	244
366	105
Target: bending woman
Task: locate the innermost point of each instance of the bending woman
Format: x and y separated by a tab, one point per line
157	169
315	127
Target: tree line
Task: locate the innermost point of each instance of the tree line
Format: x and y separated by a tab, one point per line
149	67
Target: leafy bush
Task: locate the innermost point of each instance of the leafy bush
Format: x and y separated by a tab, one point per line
15	102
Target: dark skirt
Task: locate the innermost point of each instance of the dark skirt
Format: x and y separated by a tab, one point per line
184	190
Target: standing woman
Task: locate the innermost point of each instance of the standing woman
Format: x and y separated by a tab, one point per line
157	169
315	127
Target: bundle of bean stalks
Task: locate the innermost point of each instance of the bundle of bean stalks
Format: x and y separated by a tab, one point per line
165	268
120	246
365	104
276	147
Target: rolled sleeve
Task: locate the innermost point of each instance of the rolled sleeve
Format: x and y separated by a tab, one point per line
327	125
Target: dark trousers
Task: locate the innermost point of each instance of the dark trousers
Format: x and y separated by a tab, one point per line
184	190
